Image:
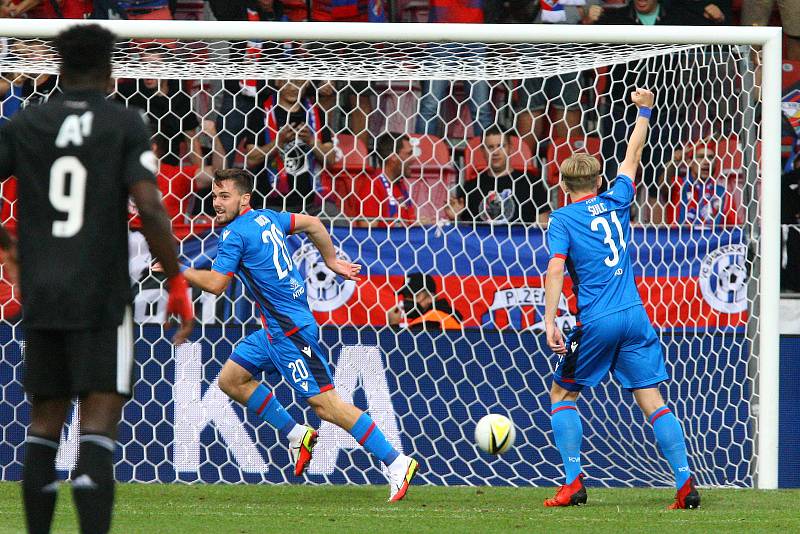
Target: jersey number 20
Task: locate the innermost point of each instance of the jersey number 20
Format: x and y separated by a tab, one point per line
279	251
600	222
70	202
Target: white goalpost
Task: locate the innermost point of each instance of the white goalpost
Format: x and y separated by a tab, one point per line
712	288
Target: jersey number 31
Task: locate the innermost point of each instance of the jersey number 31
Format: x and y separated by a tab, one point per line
602	223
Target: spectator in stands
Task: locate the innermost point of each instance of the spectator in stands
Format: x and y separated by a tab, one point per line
436	91
699	194
288	143
757	13
241	97
46	9
500	194
639	12
144	9
671	108
419	306
168	110
177	183
555	98
385	198
229	9
703	12
29	89
509	11
347	105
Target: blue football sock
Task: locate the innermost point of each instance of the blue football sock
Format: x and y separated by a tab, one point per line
371	438
669	435
568	433
264	404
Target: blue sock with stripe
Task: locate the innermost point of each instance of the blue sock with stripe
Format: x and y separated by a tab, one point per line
669	436
371	438
568	433
264	404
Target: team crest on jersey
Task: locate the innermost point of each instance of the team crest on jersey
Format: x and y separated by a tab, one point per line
723	279
325	290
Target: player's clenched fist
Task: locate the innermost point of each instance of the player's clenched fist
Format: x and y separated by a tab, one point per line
642	98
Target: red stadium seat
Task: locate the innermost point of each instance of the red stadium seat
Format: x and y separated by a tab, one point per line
475	160
560	149
351	160
350	153
431	173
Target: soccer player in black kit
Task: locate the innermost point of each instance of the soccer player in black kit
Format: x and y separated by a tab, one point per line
77	159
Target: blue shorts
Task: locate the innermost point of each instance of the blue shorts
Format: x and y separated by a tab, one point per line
298	357
623	343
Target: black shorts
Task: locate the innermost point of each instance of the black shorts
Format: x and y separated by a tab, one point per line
67	363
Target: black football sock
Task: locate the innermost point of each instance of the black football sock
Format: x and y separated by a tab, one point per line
39	486
93	483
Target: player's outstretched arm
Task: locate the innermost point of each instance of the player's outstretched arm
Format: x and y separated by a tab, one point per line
553	285
316	231
158	232
643	99
210	281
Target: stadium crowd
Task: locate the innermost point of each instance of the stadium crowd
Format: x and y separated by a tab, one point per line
439	152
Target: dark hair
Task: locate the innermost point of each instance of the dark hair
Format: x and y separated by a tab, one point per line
493	130
243	179
416	282
85	51
388	144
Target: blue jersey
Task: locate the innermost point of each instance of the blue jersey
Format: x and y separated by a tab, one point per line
592	235
254	247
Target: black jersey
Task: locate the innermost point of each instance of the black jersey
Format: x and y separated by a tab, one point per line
75	157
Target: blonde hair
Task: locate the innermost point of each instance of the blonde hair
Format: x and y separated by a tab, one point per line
579	172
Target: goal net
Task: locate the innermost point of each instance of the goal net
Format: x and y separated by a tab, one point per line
434	165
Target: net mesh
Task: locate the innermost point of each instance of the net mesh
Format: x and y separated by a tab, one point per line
487	126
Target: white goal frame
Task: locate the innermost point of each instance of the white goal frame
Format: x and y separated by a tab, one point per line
768	38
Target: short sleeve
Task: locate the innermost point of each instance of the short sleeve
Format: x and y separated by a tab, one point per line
286	222
6	152
229	253
622	191
557	238
139	162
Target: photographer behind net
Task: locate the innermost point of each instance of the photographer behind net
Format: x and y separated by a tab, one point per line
419	306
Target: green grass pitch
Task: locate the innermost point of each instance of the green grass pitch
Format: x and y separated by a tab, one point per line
256	509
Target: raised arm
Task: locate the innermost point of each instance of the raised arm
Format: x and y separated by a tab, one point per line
318	235
633	155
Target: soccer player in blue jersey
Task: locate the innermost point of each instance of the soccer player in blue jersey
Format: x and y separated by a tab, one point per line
590	236
253	246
